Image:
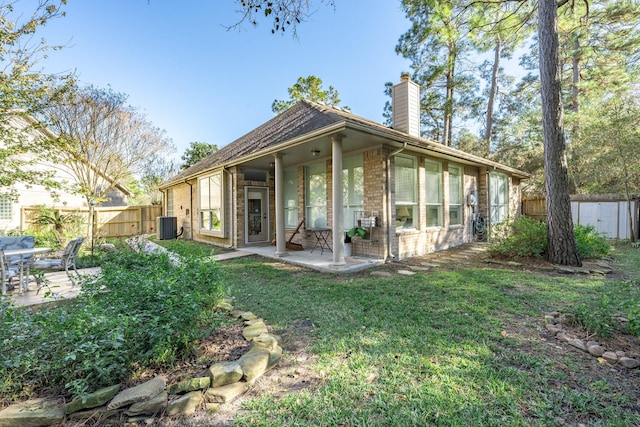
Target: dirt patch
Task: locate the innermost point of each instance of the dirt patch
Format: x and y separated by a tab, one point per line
292	374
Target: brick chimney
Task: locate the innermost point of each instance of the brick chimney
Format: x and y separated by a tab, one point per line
406	106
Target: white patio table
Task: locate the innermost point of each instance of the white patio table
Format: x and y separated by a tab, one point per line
22	253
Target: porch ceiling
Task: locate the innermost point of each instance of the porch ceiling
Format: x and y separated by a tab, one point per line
301	153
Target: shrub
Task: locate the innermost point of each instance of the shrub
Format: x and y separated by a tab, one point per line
522	237
142	311
590	243
525	237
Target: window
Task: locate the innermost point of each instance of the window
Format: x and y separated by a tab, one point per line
433	193
170	202
211	202
498	197
352	188
406	176
291	197
6	208
316	196
455	195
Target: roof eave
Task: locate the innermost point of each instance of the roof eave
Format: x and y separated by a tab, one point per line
318	133
425	145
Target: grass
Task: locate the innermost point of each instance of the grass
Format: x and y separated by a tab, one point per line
463	347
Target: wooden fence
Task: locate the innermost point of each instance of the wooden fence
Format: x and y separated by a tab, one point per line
534	207
116	221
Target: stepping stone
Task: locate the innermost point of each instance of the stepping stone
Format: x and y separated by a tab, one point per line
381	273
406	272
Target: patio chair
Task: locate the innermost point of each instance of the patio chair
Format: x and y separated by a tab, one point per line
7	272
65	261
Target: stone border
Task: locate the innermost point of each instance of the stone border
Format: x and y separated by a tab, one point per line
226	381
554	325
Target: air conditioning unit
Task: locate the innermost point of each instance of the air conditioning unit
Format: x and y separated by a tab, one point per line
167	227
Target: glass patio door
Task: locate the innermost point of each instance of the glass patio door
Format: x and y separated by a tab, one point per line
257	214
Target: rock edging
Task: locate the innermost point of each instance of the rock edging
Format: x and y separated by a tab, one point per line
604	356
225	382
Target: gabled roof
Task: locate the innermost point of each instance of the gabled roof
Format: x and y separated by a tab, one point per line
302	118
307	118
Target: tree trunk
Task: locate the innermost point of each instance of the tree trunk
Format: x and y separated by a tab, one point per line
493	93
561	245
575	82
448	103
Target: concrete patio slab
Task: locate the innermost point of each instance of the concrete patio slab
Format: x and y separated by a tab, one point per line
316	260
59	288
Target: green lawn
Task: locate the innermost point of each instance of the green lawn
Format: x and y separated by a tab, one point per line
460	347
464	347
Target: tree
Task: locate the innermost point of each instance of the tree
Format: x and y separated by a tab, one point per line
609	161
437	44
103	140
283	13
157	171
196	152
23	92
309	88
561	242
501	28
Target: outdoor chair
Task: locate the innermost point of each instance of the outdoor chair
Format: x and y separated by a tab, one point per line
65	261
7	272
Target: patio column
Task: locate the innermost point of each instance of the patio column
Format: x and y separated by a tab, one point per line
337	199
281	244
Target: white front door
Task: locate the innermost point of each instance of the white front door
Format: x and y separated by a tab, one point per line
256	202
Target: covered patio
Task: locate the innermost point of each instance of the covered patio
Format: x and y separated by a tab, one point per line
322	261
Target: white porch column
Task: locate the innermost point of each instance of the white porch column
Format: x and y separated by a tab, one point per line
281	244
337	225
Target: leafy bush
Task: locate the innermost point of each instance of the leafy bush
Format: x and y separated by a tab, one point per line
57	228
522	237
590	243
525	237
140	312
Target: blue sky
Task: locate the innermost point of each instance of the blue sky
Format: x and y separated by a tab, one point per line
200	82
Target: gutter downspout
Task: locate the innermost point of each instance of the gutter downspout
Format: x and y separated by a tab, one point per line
390	255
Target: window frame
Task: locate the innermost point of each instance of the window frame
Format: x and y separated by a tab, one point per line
457	204
352	190
211	207
431	202
317	219
291	195
498	212
6	208
411	202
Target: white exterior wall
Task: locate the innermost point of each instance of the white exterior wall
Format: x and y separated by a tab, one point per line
38	194
608	217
